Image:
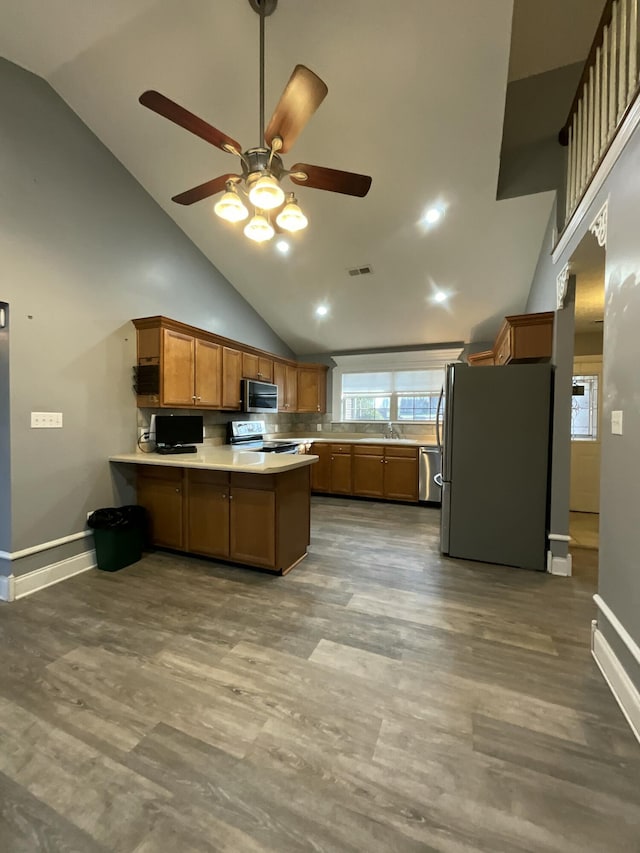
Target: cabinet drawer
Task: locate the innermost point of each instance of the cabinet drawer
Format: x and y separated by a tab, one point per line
340	448
160	472
208	478
406	452
253	481
368	450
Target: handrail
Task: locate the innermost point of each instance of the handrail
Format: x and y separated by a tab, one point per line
605	20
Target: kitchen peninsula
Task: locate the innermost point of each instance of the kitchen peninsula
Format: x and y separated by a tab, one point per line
244	507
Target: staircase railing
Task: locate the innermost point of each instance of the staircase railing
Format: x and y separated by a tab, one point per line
608	87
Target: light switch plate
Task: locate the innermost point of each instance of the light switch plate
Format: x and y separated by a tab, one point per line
616	422
46	420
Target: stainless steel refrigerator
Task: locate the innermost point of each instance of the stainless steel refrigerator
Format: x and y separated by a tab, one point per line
495	438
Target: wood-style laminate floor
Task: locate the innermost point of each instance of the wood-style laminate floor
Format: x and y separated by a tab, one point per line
379	699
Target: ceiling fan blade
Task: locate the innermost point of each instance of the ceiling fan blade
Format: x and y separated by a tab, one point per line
302	96
203	190
333	180
178	115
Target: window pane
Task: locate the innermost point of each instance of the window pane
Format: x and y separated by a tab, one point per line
417	408
584	409
366	408
371	383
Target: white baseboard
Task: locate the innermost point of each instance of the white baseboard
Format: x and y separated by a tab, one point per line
561	566
623	689
13	587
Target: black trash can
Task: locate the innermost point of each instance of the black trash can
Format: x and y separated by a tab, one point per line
119	534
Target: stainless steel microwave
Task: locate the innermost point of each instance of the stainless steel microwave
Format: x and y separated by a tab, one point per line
259	396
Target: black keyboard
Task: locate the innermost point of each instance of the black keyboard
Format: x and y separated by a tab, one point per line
187	448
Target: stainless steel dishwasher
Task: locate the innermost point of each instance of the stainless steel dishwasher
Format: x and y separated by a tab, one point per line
430	462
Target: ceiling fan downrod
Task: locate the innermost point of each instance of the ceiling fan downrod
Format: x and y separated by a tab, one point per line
264	8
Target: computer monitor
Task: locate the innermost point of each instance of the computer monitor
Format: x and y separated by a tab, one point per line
173	430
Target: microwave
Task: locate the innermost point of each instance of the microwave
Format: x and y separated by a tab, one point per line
259	396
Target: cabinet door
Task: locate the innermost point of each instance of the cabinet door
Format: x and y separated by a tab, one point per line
160	493
178	366
401	476
253	526
368	472
250	366
231	376
309	396
265	369
341	473
321	470
279	379
208	374
208	516
291	388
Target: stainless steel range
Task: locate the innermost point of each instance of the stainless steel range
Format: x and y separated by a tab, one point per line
249	435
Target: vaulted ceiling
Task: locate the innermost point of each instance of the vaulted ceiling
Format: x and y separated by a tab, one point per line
416	100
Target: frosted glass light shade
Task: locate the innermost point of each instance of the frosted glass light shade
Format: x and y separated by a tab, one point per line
291	218
266	193
258	229
231	208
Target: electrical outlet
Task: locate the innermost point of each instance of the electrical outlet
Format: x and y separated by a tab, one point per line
46	420
319	427
276	428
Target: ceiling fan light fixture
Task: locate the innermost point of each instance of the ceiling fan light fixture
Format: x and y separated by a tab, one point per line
231	207
266	193
291	218
258	229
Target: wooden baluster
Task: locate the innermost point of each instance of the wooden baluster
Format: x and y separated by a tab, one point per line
633	50
613	68
569	199
606	47
579	151
574	189
622	62
585	135
596	109
590	122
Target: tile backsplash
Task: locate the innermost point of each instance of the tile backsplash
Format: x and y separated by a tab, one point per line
298	425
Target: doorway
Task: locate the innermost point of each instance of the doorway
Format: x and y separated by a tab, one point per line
588	267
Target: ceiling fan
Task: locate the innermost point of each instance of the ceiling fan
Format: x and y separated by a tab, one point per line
262	168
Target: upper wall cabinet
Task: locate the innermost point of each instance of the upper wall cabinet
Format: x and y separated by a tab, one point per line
522	338
182	367
257	367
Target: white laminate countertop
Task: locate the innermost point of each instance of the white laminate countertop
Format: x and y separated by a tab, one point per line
222	458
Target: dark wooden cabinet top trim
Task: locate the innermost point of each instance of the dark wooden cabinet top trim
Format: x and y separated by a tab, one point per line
175	325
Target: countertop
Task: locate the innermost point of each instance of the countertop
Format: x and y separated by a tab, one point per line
222	458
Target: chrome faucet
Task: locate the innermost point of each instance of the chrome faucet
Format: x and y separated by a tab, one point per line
392	432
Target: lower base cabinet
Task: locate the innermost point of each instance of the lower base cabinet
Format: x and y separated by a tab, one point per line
259	520
366	470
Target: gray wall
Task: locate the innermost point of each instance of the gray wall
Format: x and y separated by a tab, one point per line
84	249
619	576
5	447
531	159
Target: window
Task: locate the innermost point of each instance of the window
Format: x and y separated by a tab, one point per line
400	387
584	408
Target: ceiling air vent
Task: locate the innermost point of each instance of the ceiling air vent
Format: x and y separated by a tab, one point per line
364	270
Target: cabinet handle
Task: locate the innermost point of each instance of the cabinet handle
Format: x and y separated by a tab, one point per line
194	397
224	497
178	491
230	497
381	461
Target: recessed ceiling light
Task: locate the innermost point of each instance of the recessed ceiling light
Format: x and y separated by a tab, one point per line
322	310
283	247
433	215
439	296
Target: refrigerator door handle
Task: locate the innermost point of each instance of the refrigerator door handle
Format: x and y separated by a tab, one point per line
438	412
438	479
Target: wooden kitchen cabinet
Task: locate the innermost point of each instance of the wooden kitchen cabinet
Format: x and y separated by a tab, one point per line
208	513
257	367
312	389
383	471
285	376
231	378
401	473
368	471
522	338
486	358
259	520
321	471
341	469
161	493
